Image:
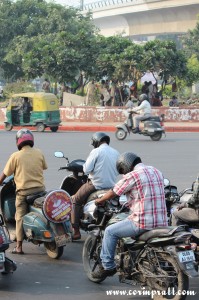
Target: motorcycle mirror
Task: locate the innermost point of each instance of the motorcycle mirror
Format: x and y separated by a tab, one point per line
59	154
166	182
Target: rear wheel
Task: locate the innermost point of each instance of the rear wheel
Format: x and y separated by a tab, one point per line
91	261
8	126
121	134
40	127
170	281
156	137
53	251
54	129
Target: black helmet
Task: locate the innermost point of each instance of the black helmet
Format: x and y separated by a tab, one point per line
126	162
98	138
24	137
143	97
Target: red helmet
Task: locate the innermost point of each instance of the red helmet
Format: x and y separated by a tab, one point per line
24	137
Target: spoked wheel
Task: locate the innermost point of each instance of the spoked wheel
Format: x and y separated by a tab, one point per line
53	251
8	126
156	137
170	281
91	257
120	134
40	127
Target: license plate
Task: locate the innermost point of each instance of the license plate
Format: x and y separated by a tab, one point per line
2	257
62	240
186	256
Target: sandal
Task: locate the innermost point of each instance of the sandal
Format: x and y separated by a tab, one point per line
14	251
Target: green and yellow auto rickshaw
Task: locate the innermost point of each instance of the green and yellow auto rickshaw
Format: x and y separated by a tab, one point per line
33	109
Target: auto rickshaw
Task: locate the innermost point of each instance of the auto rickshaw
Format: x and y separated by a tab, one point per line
33	109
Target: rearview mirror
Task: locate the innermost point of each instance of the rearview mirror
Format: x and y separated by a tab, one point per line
166	182
59	154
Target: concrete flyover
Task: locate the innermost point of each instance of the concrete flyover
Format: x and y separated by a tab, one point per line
144	19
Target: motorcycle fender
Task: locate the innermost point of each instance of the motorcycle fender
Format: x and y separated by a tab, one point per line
34	225
153	127
123	127
189	268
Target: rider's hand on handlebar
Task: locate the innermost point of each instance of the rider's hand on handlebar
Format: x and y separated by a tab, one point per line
181	206
99	203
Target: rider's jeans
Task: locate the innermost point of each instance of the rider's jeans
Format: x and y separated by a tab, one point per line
112	234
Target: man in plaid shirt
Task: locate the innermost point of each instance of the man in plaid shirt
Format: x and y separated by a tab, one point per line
144	189
188	210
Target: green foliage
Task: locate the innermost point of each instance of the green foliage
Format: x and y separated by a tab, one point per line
191	41
18	87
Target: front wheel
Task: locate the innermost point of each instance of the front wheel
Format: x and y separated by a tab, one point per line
91	257
121	134
156	137
40	127
53	251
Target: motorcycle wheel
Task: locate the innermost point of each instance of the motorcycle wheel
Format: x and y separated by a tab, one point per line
91	264
169	266
156	137
53	251
120	134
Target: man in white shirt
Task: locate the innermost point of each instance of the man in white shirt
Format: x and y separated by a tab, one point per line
100	167
144	111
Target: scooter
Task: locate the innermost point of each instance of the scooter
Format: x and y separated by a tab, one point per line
72	182
6	265
153	127
48	219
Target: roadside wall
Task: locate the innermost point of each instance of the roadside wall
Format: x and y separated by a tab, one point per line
116	114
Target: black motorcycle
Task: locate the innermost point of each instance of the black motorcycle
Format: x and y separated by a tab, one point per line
153	127
160	259
173	200
73	181
6	265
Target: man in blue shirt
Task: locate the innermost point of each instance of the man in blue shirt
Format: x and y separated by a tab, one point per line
100	167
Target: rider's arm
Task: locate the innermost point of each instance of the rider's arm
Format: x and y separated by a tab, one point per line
194	200
110	194
2	177
89	165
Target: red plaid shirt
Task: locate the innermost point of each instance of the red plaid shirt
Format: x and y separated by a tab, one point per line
144	188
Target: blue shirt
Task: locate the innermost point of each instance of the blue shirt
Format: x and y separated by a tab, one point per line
101	166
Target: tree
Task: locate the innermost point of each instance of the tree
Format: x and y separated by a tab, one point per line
191	41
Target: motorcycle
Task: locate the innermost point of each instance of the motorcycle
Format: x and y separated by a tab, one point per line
173	200
161	259
73	182
6	265
153	127
48	219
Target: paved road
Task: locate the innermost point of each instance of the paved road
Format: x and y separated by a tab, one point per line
41	278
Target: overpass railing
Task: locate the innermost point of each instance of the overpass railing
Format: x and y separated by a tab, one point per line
104	3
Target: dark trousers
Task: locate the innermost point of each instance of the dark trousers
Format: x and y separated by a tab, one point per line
79	199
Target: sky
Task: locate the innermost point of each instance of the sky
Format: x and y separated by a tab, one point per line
73	2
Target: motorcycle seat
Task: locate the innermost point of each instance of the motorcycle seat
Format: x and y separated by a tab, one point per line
152	118
39	202
158	232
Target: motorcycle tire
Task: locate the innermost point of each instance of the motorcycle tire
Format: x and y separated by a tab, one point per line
120	134
88	262
156	137
53	251
169	265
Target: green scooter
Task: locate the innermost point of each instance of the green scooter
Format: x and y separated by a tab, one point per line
48	219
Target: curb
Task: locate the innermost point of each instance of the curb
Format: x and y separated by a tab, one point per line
112	128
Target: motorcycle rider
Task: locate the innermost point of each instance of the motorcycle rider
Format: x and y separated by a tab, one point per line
144	110
144	188
101	167
188	210
27	165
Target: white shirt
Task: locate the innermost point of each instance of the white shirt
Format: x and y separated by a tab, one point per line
144	108
101	166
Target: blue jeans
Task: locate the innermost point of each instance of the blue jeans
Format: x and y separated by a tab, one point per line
124	228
